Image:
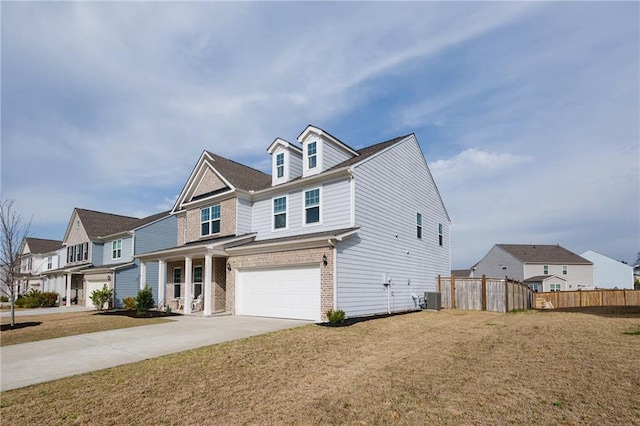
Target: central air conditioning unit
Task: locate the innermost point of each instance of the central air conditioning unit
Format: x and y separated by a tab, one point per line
433	300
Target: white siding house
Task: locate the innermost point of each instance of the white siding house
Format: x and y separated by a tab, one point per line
609	273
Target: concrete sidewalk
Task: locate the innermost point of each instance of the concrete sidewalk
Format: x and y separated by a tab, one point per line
46	311
37	362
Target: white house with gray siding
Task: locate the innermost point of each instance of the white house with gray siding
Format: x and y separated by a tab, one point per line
332	227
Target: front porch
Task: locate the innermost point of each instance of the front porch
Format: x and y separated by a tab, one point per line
192	283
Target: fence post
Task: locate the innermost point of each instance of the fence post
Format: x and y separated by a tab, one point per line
453	292
506	294
484	292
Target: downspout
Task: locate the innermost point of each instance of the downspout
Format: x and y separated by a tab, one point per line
335	274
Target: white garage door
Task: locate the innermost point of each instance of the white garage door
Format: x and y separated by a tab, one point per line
90	287
282	293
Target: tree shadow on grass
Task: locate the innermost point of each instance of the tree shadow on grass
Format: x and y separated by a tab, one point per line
19	325
603	311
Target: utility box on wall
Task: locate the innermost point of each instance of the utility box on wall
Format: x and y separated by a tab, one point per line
433	300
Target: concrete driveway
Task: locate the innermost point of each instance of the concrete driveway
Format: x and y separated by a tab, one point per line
37	362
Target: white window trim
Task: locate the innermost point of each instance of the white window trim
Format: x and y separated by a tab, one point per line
440	234
304	208
420	225
211	220
284	162
273	214
306	171
114	251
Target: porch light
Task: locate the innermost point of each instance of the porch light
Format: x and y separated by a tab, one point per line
228	267
324	259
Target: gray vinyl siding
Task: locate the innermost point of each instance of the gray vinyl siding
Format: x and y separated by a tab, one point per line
493	263
390	189
335	206
158	235
126	254
127	283
244	216
152	278
96	253
331	155
295	165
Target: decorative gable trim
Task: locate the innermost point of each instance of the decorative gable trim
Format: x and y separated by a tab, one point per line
189	194
283	143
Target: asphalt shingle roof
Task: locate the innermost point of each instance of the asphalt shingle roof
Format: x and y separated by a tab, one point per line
99	224
239	175
536	253
40	245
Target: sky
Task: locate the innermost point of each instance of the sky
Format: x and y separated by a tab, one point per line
528	114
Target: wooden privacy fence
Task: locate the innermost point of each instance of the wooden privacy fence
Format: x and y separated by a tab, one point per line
484	294
585	298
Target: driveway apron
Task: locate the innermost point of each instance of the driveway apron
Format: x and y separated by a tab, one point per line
37	362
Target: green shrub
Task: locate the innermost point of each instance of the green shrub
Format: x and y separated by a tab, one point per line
49	299
4	299
99	298
129	303
335	317
144	301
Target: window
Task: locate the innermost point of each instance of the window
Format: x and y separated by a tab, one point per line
545	269
312	206
534	286
280	165
25	265
197	281
564	270
49	262
78	252
419	225
116	249
312	154
440	235
280	213
210	220
177	281
554	287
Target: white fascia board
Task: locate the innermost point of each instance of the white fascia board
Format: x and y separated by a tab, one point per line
318	131
278	246
204	201
284	143
309	180
213	247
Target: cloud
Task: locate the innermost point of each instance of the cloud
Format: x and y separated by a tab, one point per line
472	164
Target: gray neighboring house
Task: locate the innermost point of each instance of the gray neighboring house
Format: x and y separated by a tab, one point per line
99	249
332	227
542	267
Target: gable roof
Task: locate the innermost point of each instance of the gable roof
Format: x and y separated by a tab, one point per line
240	176
369	151
41	245
321	132
98	224
536	253
149	219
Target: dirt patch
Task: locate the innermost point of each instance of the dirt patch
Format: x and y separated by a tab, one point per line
448	367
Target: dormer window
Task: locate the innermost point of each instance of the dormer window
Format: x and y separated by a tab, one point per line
312	154
280	165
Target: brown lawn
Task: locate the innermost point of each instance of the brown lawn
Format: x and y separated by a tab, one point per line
449	367
31	328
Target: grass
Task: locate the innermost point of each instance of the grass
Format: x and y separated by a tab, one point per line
31	328
444	367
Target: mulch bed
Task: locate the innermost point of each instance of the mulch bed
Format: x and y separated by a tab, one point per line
136	314
19	325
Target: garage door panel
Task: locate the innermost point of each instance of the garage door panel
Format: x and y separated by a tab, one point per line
283	293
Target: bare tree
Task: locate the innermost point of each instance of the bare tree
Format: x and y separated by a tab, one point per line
12	234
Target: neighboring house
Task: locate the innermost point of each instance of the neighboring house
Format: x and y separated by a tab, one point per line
609	273
99	249
541	263
333	227
38	257
461	273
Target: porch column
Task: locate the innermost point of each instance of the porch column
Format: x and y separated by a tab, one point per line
187	285
208	294
68	290
162	269
143	274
